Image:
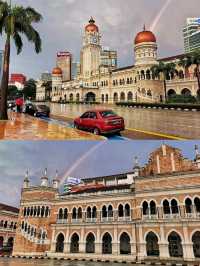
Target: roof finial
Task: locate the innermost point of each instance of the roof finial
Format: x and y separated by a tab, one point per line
144	28
91	20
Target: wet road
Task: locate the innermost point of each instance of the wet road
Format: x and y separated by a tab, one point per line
29	262
25	127
144	123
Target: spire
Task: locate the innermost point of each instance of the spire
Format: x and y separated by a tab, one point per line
56	181
136	163
44	179
26	180
144	28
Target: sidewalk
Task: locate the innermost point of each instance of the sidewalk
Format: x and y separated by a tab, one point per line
25	127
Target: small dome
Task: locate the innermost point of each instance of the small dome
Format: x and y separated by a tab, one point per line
57	71
91	27
145	36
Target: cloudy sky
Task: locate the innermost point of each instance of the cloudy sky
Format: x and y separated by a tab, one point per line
76	159
119	21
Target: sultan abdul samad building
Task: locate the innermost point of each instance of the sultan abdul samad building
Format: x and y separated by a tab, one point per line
98	80
150	212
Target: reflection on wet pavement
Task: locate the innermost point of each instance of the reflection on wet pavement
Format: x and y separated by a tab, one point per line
170	122
24	127
32	262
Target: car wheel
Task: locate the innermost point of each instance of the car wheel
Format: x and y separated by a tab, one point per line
76	126
96	131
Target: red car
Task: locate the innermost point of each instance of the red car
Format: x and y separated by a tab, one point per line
100	122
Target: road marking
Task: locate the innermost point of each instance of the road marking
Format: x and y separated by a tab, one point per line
156	134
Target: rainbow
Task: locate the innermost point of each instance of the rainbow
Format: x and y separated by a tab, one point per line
80	160
159	15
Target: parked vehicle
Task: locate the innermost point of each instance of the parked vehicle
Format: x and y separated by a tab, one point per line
100	122
36	110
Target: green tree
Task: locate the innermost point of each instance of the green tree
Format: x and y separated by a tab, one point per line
14	22
29	90
12	91
164	71
192	59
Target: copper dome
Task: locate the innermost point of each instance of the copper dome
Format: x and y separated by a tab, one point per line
91	27
57	71
145	36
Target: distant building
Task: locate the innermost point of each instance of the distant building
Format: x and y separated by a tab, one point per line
64	62
109	58
8	225
18	80
191	34
75	70
46	76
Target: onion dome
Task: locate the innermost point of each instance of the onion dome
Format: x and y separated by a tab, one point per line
57	71
145	36
91	27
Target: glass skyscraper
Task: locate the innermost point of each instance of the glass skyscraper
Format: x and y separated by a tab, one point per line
191	34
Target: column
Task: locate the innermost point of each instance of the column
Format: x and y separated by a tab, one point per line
142	244
82	242
115	244
53	242
67	242
163	244
188	253
98	244
133	242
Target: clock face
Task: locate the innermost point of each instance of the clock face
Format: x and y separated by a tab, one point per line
94	40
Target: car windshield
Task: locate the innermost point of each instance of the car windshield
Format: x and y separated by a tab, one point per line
107	113
42	106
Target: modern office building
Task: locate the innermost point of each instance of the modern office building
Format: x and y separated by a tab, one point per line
46	77
191	34
64	62
109	58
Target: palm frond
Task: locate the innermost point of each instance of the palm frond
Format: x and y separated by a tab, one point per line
18	42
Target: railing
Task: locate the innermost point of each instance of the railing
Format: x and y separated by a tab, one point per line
107	219
182	80
178	215
124	219
62	221
91	220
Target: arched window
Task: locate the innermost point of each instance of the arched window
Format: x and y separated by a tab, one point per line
197	204
115	97
38	211
1	223
74	216
107	244
15	226
10	243
65	214
130	96
127	210
171	93
94	212
35	211
149	93
102	98
71	97
31	211
110	211
5	224
74	245
174	206
88	212
47	211
186	92
196	244
145	208
42	211
125	246
104	212
152	207
122	96
175	245
1	241
121	211
77	97
107	97
11	225
166	207
148	75
22	226
90	243
25	211
60	243
28	211
79	213
152	246
60	214
188	205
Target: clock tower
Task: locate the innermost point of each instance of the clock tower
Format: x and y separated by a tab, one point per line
91	51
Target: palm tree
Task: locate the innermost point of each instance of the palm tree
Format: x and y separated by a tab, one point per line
190	59
166	71
14	22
